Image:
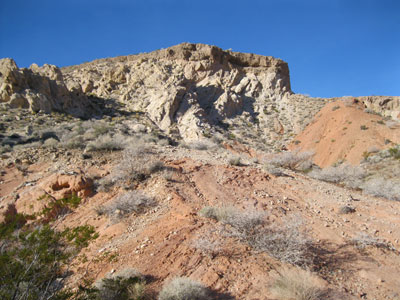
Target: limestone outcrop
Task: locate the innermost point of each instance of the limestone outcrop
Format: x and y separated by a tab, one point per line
197	89
39	89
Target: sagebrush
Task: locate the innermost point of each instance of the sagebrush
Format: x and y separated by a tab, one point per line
183	288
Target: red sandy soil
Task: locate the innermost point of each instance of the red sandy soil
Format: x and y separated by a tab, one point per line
335	134
160	243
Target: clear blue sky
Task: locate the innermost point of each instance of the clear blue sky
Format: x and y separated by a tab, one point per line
333	47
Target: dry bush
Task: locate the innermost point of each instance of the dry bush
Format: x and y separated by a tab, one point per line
200	145
344	173
130	202
72	141
363	240
296	284
207	244
50	143
106	142
235	161
381	187
293	160
284	241
183	288
137	164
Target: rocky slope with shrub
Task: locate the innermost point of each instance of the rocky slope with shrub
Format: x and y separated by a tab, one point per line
168	190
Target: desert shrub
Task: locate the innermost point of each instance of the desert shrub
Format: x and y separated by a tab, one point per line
207	244
363	127
137	164
106	142
130	202
100	128
293	160
183	288
72	141
394	152
201	145
5	149
343	173
346	210
34	258
235	161
50	143
296	284
380	187
127	284
59	207
284	241
363	240
106	183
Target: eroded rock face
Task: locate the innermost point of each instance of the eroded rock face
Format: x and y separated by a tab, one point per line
39	89
192	86
383	105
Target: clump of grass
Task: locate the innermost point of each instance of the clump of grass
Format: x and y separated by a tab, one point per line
183	288
296	284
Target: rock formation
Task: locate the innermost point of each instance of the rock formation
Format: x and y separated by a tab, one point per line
189	90
39	89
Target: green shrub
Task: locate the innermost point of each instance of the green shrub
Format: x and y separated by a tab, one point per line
34	262
34	258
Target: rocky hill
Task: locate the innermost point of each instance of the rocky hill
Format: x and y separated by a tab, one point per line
170	164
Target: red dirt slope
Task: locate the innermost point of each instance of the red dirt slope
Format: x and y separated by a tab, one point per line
341	132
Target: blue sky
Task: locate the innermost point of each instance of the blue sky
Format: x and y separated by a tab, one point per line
333	47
